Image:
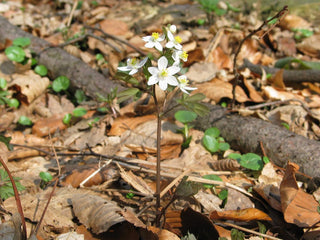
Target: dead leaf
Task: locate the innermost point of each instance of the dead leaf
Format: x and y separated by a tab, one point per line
46	126
95	212
310	46
220	59
115	27
28	86
253	94
132	218
202	72
277	80
122	124
293	21
246	215
298	207
163	234
218	89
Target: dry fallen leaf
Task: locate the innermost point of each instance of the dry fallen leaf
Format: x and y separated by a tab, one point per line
95	212
298	207
246	215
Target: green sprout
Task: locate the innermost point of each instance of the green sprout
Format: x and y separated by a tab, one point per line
250	161
24	121
6	189
45	179
4	99
213	142
185	117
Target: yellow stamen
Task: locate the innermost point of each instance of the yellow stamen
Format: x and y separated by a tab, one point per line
155	35
178	39
184	55
133	61
164	73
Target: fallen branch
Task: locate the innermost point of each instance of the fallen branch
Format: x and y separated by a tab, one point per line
289	76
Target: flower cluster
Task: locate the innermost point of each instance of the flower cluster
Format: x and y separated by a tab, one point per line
165	73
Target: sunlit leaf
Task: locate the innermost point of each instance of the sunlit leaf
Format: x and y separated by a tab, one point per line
22	42
41	70
184	116
15	53
60	83
79	112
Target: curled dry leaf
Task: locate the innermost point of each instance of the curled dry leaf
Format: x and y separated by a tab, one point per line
226	165
95	212
163	234
298	207
249	214
28	86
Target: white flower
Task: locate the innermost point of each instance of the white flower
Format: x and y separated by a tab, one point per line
177	55
174	41
183	84
154	41
173	28
133	65
162	74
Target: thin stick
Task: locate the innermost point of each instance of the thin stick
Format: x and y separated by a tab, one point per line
94	173
177	179
75	4
17	198
250	231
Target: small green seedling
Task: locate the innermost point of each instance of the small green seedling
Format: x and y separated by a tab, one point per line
130	195
16	52
11	102
25	121
300	33
80	96
223	194
6	141
211	177
6	189
45	179
213	142
76	113
237	235
41	70
61	83
249	160
185	117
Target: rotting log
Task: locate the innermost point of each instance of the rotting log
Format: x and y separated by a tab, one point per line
243	133
280	145
61	63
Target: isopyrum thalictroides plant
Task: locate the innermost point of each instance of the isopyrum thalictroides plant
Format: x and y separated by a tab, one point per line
164	74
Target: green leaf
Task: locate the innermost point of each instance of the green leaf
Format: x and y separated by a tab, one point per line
184	116
262	228
6	189
126	94
21	42
237	235
211	177
45	176
223	146
95	120
12	102
67	118
80	96
41	70
265	159
79	112
34	62
251	161
223	195
213	132
195	97
6	141
210	143
60	83
25	121
15	53
3	83
235	156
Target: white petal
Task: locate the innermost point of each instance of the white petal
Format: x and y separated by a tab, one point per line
178	46
158	46
172	80
190	88
133	71
170	45
183	90
173	70
163	63
173	28
149	45
170	36
146	39
163	85
143	62
126	68
161	38
153	80
153	70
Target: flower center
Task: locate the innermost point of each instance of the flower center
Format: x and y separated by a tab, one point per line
155	36
184	55
183	81
164	73
133	62
178	39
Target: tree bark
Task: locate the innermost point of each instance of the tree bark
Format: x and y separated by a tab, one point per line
281	145
61	63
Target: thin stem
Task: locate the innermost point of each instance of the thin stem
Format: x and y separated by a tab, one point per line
158	167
